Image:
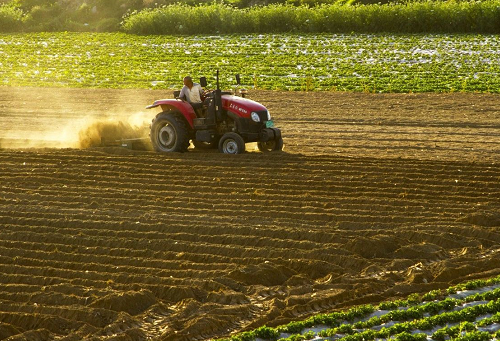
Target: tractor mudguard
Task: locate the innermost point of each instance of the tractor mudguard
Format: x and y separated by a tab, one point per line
269	134
176	105
277	133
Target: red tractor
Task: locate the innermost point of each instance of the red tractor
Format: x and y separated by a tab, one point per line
226	121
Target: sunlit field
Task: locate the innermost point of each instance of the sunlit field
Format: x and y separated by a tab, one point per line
333	62
378	220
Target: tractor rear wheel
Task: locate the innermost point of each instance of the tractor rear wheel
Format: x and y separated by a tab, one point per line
231	143
169	133
271	146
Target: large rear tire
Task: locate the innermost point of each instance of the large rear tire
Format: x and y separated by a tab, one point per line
271	146
169	133
231	143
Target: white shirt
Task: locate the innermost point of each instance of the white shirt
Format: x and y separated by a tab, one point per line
192	95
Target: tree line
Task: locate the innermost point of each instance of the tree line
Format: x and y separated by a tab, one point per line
158	16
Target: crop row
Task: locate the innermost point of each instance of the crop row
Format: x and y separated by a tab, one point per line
105	241
204	249
440	319
378	205
372	63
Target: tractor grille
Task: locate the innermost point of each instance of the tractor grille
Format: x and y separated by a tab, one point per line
262	115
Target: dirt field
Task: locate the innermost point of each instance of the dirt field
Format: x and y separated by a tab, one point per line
375	196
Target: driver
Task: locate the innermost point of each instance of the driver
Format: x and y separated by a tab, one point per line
191	92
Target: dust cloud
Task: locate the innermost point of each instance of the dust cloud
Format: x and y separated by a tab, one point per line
82	133
61	118
111	132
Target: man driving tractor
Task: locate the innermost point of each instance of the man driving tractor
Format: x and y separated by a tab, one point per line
192	92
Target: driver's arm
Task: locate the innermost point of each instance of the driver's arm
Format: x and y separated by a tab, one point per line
183	95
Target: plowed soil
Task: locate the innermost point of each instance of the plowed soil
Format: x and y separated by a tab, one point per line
375	196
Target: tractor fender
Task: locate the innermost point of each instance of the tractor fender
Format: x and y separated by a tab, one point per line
270	134
184	108
277	133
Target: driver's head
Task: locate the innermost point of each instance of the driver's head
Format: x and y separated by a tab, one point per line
188	81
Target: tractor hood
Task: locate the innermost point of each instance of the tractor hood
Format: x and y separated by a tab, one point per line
242	107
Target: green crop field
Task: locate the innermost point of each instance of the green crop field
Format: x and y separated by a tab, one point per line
466	312
332	62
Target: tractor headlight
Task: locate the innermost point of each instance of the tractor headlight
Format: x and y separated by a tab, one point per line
268	116
255	117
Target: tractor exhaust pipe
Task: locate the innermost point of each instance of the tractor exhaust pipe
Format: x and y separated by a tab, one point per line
218	101
218	87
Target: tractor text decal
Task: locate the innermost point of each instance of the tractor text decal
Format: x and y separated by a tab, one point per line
237	108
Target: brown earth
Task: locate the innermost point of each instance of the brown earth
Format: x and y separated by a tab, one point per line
376	196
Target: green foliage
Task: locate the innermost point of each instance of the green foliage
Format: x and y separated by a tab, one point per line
462	324
299	337
323	319
11	18
432	295
292	327
245	336
63	15
243	16
45	18
364	63
405	336
408	17
389	305
267	333
473	285
475	336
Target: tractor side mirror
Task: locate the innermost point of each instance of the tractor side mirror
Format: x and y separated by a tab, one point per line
203	82
238	79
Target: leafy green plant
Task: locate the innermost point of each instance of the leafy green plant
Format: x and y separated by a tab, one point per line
266	333
354	62
458	321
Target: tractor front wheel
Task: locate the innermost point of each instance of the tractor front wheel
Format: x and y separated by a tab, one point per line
231	143
169	133
271	146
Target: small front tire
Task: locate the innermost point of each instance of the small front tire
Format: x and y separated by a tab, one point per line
271	146
231	143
